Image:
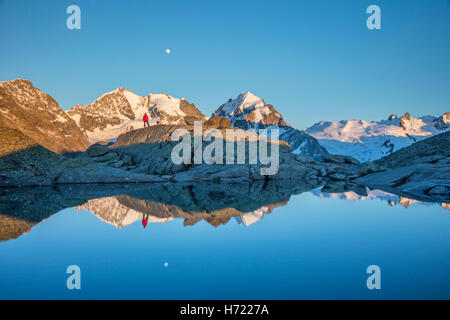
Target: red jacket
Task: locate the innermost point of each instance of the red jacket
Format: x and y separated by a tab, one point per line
145	118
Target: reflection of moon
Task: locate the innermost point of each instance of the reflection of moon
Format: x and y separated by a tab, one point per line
168	51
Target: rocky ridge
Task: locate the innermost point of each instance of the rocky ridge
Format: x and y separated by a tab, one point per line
122	110
37	115
420	169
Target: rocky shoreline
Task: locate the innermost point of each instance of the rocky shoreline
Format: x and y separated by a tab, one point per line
143	156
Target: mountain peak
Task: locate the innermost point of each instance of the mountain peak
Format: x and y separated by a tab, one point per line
121	110
406	116
443	122
23	104
249	96
392	117
405	121
18	81
251	109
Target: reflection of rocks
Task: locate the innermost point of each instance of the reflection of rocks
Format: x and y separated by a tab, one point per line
406	202
23	208
193	203
121	205
12	228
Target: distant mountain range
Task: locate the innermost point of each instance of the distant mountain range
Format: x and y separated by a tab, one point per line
122	110
368	141
37	115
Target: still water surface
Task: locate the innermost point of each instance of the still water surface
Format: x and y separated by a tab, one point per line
222	245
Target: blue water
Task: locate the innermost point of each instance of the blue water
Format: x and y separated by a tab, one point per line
311	248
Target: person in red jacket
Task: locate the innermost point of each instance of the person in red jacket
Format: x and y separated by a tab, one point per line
146	120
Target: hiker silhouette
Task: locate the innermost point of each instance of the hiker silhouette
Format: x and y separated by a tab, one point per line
145	119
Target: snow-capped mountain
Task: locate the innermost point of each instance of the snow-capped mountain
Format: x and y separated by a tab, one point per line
38	116
250	112
443	122
122	110
368	141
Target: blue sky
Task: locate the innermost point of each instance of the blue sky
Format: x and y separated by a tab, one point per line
313	60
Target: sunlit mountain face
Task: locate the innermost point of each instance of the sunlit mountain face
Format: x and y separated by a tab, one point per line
124	205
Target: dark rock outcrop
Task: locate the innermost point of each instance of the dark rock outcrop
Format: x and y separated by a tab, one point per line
218	122
421	170
23	162
334	158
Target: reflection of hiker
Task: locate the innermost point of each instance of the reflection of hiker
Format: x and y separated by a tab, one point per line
145	220
145	118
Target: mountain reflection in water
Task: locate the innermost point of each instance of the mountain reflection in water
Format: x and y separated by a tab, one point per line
123	205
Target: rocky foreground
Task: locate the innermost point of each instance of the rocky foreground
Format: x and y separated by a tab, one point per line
421	169
144	155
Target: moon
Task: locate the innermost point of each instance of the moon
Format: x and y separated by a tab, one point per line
168	51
